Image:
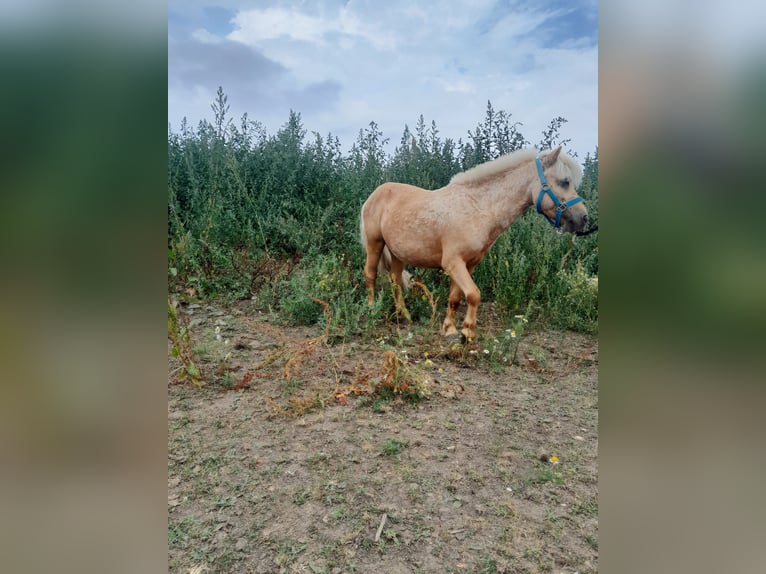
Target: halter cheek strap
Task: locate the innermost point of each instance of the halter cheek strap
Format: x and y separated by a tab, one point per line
546	190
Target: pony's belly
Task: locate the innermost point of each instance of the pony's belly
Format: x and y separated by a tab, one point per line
418	256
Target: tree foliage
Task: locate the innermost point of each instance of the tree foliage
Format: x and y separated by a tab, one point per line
239	197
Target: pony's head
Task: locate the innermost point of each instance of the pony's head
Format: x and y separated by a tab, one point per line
556	196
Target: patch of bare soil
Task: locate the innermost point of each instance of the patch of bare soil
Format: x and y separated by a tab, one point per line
298	469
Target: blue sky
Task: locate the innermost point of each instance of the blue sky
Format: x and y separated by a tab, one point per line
342	64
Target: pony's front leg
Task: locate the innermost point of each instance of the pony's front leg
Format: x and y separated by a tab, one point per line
461	276
472	299
448	327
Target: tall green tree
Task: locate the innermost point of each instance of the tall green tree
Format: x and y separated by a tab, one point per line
494	137
552	136
220	107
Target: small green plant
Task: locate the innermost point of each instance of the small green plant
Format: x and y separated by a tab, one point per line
300	498
340	513
378	405
334	498
333	554
178	532
546	474
325	278
533	554
224	502
203	351
586	508
503	349
178	333
575	305
287	553
293	384
393	447
485	566
592	541
391	535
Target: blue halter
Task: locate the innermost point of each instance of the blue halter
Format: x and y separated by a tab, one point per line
560	207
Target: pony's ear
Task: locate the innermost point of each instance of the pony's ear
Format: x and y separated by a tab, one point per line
550	158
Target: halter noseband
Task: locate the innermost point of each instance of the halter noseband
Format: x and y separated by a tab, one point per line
560	207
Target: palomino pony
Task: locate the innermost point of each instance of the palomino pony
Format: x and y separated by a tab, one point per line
454	227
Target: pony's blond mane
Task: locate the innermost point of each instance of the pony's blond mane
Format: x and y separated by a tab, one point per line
565	167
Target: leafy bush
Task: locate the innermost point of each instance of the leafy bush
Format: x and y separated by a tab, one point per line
240	200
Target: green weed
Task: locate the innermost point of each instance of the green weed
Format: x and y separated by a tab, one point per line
485	566
287	553
391	535
393	447
179	532
181	345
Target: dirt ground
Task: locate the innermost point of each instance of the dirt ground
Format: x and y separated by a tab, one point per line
289	461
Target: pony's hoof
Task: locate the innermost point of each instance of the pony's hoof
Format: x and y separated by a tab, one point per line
456	339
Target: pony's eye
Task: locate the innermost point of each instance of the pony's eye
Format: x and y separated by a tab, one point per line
564	183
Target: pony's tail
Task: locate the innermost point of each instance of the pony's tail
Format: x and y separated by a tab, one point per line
384	264
362	236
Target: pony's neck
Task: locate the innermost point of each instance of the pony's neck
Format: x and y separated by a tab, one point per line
502	198
511	194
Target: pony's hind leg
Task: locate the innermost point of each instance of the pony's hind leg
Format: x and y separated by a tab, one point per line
374	250
396	270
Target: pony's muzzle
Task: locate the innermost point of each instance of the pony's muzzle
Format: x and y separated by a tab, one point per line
575	220
582	221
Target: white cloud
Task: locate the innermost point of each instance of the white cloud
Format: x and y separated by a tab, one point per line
390	62
205	37
460	86
514	25
253	27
